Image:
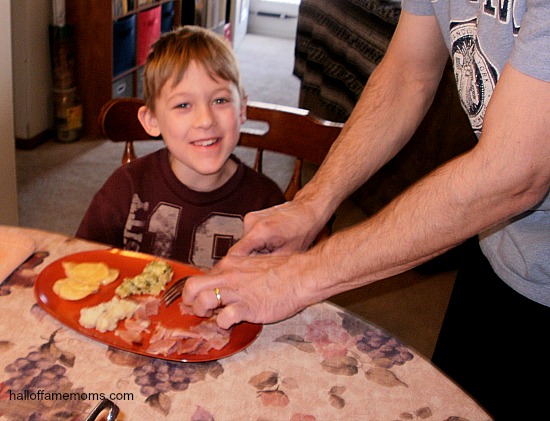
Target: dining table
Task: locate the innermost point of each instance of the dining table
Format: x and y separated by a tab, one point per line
324	363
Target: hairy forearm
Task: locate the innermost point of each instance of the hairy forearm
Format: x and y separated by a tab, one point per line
438	213
377	129
392	105
503	176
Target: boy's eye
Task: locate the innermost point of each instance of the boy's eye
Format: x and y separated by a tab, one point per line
221	101
183	105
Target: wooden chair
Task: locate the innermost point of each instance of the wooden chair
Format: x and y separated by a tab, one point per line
287	130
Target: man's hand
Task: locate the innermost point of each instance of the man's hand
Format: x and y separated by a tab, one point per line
282	229
254	289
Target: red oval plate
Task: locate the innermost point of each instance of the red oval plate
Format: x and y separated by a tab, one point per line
130	264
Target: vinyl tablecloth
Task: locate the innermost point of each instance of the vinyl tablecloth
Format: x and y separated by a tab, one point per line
323	364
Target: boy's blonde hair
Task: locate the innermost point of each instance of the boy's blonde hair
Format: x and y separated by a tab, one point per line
171	54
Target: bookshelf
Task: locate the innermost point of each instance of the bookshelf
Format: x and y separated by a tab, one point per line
99	74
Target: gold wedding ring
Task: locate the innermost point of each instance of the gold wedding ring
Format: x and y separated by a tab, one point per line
218	296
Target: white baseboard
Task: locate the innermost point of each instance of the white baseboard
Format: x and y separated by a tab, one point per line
273	26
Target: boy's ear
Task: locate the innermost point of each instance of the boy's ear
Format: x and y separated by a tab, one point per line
244	103
148	121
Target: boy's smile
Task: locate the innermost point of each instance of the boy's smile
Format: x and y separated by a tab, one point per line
205	142
199	118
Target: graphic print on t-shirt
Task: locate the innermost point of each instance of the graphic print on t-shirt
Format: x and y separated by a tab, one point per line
213	237
475	76
133	230
163	222
157	231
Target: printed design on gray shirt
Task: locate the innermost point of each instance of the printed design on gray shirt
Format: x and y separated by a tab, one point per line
131	239
475	76
503	10
213	237
162	222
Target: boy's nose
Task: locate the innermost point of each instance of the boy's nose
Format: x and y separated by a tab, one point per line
204	117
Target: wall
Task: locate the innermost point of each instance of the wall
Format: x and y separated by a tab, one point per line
274	18
239	20
33	109
8	185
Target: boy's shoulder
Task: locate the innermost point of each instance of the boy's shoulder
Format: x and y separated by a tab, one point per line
139	167
255	180
151	161
146	160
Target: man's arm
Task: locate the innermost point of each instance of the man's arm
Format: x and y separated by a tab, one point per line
394	102
506	174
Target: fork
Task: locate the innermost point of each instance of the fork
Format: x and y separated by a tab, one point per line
104	404
173	293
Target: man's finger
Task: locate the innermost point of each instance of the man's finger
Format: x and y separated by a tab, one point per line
246	246
193	288
229	316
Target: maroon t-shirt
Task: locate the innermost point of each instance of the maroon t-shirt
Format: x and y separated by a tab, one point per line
144	207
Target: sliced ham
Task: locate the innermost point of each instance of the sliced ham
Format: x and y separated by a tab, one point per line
140	321
165	346
129	336
198	340
189	346
212	333
148	306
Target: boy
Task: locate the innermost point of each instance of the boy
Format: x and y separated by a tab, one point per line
186	201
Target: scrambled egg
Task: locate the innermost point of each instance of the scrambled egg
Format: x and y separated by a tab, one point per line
151	281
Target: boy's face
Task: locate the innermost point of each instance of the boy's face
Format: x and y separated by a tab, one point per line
199	120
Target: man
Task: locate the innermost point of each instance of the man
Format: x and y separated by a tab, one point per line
498	190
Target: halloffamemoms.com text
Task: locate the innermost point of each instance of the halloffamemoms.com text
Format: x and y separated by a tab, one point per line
42	395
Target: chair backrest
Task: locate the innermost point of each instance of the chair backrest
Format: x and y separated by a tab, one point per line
287	130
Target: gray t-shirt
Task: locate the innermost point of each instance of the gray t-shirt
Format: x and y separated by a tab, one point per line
482	36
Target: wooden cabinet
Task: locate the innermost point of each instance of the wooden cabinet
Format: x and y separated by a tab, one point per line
95	22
